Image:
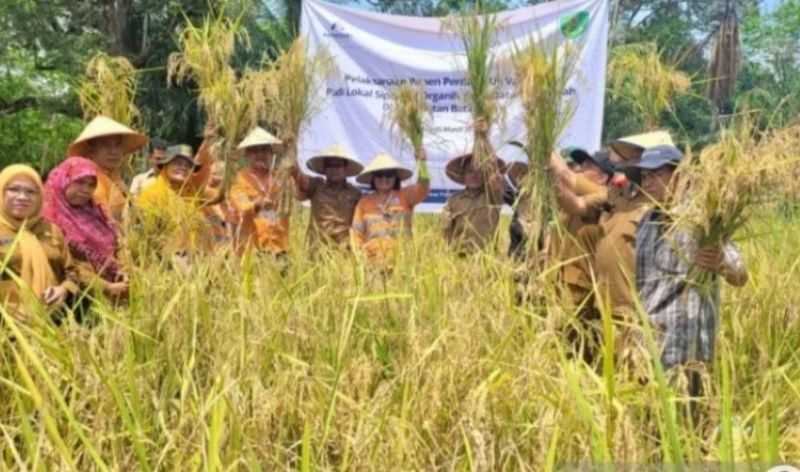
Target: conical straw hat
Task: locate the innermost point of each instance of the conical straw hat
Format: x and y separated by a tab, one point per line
383	162
102	126
317	163
258	137
456	166
631	147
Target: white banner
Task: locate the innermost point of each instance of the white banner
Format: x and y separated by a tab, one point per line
375	51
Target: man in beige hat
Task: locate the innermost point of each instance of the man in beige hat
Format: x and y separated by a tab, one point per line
470	216
384	216
255	197
333	199
106	143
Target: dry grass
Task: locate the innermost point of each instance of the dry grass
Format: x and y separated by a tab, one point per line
109	88
638	74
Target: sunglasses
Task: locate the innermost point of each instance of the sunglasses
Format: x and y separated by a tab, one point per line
384	174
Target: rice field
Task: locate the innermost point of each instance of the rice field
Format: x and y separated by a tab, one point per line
434	367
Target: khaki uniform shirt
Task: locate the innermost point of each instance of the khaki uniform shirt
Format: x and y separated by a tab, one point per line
615	253
332	209
470	218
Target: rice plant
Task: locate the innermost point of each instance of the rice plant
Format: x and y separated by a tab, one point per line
236	366
638	74
477	32
410	113
543	74
109	88
293	96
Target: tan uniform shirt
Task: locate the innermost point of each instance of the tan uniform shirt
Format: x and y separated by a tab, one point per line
571	250
470	218
615	253
52	240
332	209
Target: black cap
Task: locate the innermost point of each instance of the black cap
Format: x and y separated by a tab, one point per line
601	160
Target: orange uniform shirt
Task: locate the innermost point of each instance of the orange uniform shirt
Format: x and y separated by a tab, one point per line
379	221
255	203
111	195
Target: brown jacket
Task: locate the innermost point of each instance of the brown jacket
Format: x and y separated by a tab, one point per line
332	209
470	217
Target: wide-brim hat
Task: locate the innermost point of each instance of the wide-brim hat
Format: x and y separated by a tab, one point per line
631	147
101	127
179	150
383	162
457	166
317	162
258	137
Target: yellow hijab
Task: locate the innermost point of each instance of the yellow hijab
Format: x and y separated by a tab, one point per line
36	270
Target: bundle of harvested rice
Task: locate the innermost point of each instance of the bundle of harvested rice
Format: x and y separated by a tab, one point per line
716	195
410	113
477	33
543	73
295	93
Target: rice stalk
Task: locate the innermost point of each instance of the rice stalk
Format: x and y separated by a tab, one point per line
477	32
410	113
543	73
637	74
109	88
716	195
293	96
204	58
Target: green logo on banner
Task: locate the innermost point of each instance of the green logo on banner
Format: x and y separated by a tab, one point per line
574	25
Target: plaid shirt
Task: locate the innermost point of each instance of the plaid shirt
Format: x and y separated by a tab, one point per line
684	316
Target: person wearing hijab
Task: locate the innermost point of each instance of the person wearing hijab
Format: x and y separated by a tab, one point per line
333	199
39	265
90	234
384	216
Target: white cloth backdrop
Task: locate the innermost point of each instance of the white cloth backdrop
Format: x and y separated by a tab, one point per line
375	51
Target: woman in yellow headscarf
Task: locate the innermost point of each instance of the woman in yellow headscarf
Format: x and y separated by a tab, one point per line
38	261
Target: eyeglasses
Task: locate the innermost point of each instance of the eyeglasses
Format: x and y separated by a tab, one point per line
22	191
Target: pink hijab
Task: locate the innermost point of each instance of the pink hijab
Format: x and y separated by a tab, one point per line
87	229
